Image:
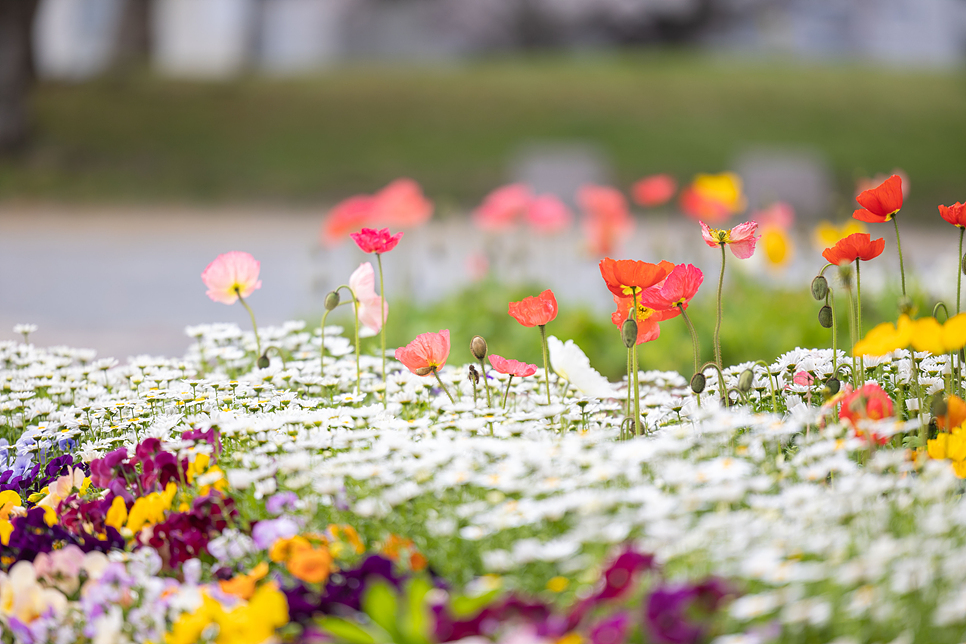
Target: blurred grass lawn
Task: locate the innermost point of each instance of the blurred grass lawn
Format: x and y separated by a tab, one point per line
453	128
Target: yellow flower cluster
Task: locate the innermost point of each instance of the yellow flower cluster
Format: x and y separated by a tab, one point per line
8	501
147	510
951	444
924	334
253	622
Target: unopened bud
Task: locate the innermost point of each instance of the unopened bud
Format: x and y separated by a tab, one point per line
825	316
906	306
478	347
833	385
963	264
332	300
263	361
939	406
745	380
697	382
819	288
629	332
425	371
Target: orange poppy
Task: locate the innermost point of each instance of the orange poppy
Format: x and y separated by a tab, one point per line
535	311
881	203
954	214
855	246
625	277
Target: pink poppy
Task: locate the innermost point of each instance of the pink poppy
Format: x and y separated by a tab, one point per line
741	239
401	204
375	241
426	353
548	215
363	285
778	214
230	275
606	217
679	287
347	216
512	367
535	311
647	318
654	190
502	208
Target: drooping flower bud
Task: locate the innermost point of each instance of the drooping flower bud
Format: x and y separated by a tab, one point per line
825	316
425	371
263	361
833	385
478	347
332	300
629	332
745	380
819	288
963	264
697	382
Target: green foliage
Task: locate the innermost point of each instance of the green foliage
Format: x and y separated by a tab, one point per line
454	128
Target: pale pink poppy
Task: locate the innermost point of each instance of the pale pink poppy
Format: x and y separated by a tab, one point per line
363	285
426	353
779	214
606	217
548	215
401	204
230	275
804	379
741	239
502	208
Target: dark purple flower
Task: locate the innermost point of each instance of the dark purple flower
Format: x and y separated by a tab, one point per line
611	630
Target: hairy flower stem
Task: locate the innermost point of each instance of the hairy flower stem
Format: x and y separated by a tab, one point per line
546	358
637	383
835	332
322	347
902	269
507	393
486	384
258	343
717	325
858	314
630	381
382	330
959	269
852	330
440	381
694	336
355	306
923	427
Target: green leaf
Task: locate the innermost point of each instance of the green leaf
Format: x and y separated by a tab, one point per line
381	605
414	626
464	606
345	631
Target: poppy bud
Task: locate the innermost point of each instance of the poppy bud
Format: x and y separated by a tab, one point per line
697	382
745	380
939	406
629	332
833	385
963	264
331	300
906	306
263	361
478	347
425	371
825	316
819	288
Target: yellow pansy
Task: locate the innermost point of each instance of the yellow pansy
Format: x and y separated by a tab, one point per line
6	529
886	338
116	514
8	501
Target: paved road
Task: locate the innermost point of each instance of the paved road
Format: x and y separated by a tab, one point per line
126	281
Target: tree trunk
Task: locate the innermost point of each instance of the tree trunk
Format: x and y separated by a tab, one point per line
132	46
16	70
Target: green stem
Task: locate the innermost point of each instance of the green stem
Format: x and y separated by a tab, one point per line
486	384
771	385
507	394
902	269
382	330
694	336
322	348
923	428
858	314
355	306
717	325
440	381
546	358
855	375
630	382
835	332
959	269
637	383
258	343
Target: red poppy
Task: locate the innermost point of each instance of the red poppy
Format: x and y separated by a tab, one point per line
376	241
647	318
535	311
855	246
625	277
680	286
954	214
880	204
512	367
654	190
869	402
